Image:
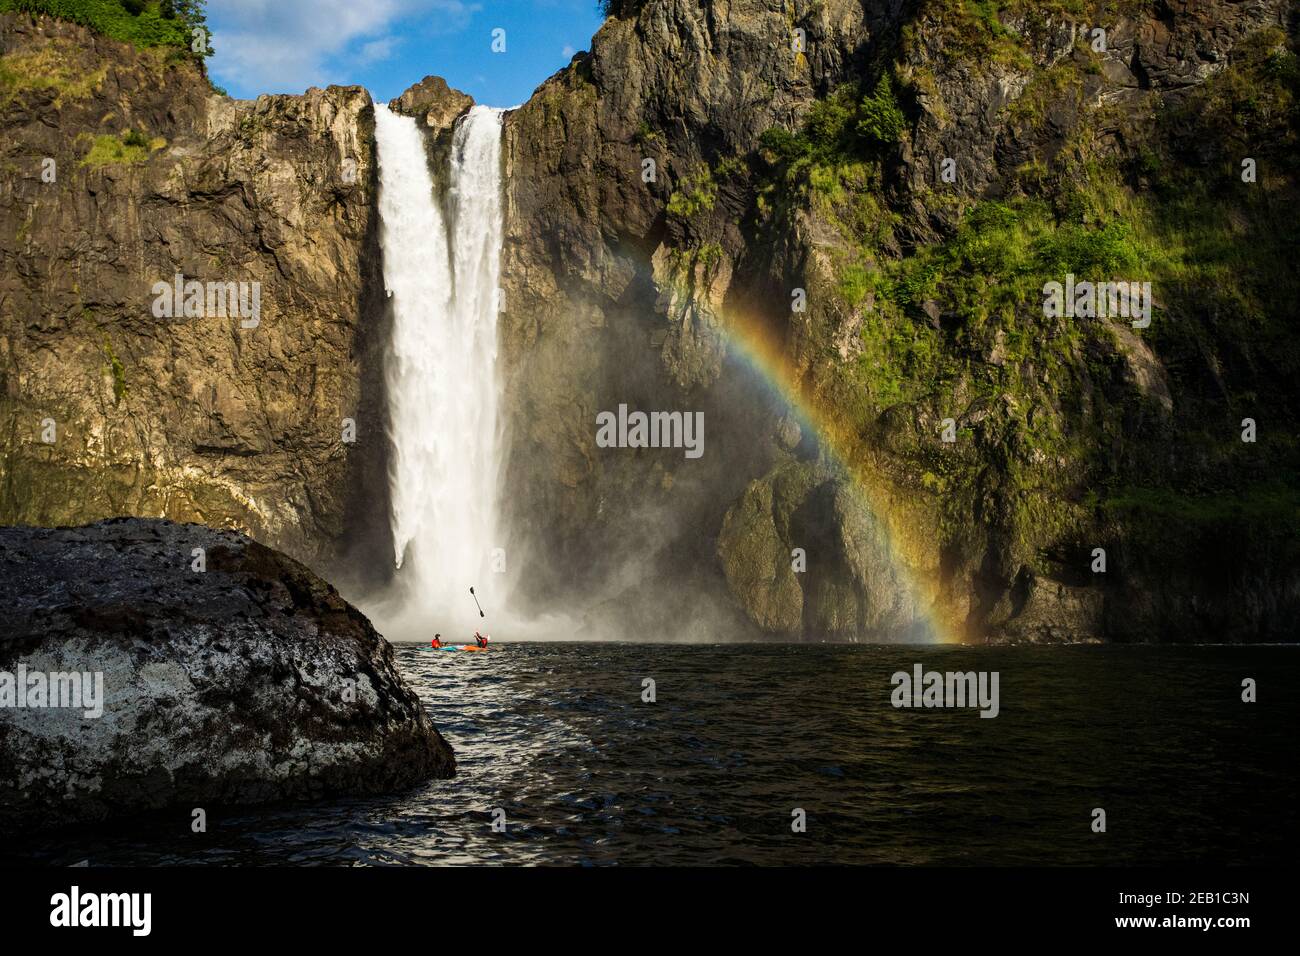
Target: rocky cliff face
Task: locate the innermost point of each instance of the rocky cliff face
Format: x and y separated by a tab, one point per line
227	674
122	170
606	304
916	174
826	225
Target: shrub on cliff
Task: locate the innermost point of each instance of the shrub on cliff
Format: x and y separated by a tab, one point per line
130	148
618	8
845	127
696	195
144	23
880	117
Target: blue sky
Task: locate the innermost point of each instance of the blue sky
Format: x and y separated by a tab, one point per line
285	46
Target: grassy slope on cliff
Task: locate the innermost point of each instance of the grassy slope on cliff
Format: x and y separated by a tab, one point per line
165	24
142	23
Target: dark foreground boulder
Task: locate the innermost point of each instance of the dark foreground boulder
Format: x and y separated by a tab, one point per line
249	680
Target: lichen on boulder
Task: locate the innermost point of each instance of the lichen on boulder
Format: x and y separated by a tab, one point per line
231	674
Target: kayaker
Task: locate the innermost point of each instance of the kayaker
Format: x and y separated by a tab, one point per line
480	640
437	641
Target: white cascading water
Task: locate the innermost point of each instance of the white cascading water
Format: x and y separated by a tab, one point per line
442	269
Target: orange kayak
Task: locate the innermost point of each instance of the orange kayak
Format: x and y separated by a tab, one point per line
460	647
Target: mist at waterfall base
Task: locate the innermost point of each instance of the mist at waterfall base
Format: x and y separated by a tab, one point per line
441	236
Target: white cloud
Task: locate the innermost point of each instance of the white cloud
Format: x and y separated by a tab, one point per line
285	46
376	50
568	52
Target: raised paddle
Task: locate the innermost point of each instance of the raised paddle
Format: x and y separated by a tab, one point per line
476	604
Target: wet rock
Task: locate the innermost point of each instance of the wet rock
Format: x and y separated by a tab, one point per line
804	554
246	682
788	432
757	561
1053	612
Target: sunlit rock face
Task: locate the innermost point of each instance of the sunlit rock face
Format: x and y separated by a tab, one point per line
228	674
433	104
108	407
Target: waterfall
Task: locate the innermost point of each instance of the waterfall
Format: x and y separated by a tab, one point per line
441	271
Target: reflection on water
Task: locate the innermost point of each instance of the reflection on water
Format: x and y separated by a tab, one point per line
557	735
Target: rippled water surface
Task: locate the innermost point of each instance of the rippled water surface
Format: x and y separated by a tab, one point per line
558	737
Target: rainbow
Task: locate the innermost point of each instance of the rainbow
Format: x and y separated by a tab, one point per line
911	543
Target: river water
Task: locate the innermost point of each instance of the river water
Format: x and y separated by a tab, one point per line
740	736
